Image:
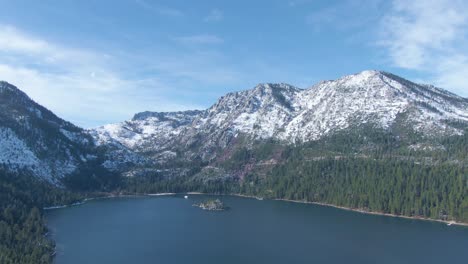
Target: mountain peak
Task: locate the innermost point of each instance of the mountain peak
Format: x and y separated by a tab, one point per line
6	86
361	78
370	72
283	86
284	112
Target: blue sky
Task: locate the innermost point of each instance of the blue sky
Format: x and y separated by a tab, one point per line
96	62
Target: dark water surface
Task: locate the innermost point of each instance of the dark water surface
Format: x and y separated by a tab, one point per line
170	230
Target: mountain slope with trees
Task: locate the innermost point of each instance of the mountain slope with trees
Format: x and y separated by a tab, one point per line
371	141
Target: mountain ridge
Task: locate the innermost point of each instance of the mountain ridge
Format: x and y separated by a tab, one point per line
34	138
290	114
371	141
373	99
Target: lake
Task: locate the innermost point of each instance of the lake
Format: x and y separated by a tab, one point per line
170	230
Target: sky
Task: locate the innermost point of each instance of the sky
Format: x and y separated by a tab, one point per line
98	62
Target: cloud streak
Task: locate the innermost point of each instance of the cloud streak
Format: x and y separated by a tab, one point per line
200	39
215	15
344	15
162	10
430	37
88	81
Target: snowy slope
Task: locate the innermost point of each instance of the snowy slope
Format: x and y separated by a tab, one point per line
373	97
33	138
290	114
145	126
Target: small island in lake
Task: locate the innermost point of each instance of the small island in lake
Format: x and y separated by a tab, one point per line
211	205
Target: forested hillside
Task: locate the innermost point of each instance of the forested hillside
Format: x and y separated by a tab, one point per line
22	225
370	141
365	169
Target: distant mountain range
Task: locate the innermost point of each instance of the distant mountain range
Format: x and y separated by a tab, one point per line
372	99
35	139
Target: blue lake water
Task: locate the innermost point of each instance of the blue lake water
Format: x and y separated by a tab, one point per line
170	230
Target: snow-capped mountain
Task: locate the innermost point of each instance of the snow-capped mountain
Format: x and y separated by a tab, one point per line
157	127
34	139
149	133
292	115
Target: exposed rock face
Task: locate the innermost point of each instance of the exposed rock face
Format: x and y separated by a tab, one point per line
292	115
34	139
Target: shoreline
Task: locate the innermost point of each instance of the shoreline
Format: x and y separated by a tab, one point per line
105	197
447	222
357	210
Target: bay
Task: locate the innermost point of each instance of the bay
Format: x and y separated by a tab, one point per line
170	230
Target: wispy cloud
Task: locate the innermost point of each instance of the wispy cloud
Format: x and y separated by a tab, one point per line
11	40
343	15
200	39
297	3
162	10
88	81
430	37
17	43
215	15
